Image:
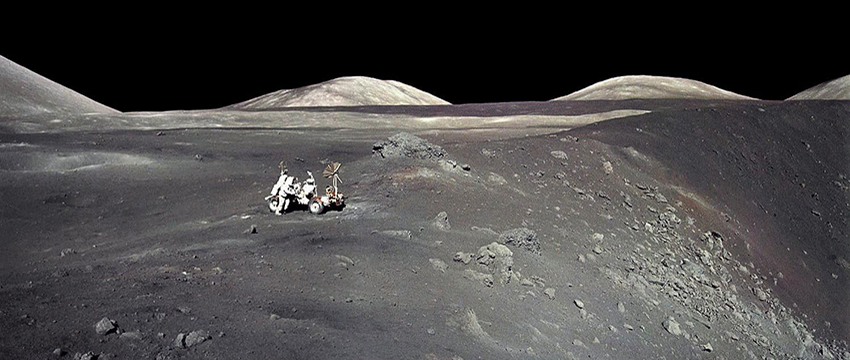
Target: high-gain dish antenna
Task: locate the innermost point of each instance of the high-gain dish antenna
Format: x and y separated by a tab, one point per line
332	172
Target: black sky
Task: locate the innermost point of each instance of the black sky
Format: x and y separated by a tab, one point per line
202	68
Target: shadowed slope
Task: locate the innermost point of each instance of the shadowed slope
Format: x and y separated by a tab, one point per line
838	89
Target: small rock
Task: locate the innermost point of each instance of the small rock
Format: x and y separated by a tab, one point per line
607	167
87	356
197	337
486	279
59	352
579	303
707	347
578	342
760	294
442	221
274	317
597	237
131	335
621	308
628	327
431	331
463	257
465	167
180	341
105	326
560	155
526	282
672	326
597	249
439	265
550	292
251	230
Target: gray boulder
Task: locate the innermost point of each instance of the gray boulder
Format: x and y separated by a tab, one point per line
406	145
521	238
105	326
442	221
197	337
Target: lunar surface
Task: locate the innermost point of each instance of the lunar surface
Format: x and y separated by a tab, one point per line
838	89
646	228
344	91
651	87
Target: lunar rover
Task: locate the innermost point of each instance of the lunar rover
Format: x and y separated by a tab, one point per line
287	190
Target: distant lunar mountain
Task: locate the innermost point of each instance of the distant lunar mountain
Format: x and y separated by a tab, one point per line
651	87
344	91
838	89
23	92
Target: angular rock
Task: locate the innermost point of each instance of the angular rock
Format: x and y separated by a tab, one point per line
197	337
498	260
180	341
105	326
550	292
579	303
672	326
760	294
442	221
707	347
521	237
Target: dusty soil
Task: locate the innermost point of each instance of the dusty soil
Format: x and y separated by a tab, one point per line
700	229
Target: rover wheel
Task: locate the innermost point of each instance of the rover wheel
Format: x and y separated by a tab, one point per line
316	206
